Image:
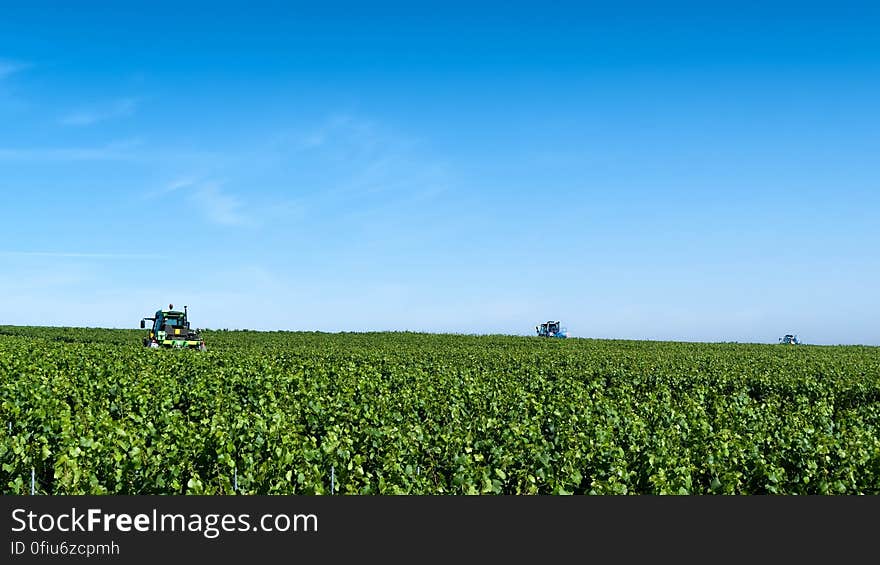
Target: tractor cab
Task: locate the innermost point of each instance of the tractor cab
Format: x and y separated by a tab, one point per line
169	321
170	328
789	339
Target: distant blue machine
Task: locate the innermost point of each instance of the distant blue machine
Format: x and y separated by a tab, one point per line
789	339
551	329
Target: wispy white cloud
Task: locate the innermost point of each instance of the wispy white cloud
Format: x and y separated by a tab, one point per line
216	205
370	160
8	67
120	108
351	165
60	154
340	129
119	151
178	184
220	207
79	255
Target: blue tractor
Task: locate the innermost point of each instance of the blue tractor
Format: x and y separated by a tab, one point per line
551	329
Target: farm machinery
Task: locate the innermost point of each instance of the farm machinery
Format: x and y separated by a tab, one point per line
170	329
551	329
789	339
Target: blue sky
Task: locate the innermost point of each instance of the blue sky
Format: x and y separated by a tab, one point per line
690	171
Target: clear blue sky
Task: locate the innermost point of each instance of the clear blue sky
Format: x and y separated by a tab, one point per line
692	171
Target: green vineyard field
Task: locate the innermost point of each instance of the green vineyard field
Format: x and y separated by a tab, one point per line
90	411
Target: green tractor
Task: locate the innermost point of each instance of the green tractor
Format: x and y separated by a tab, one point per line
170	328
